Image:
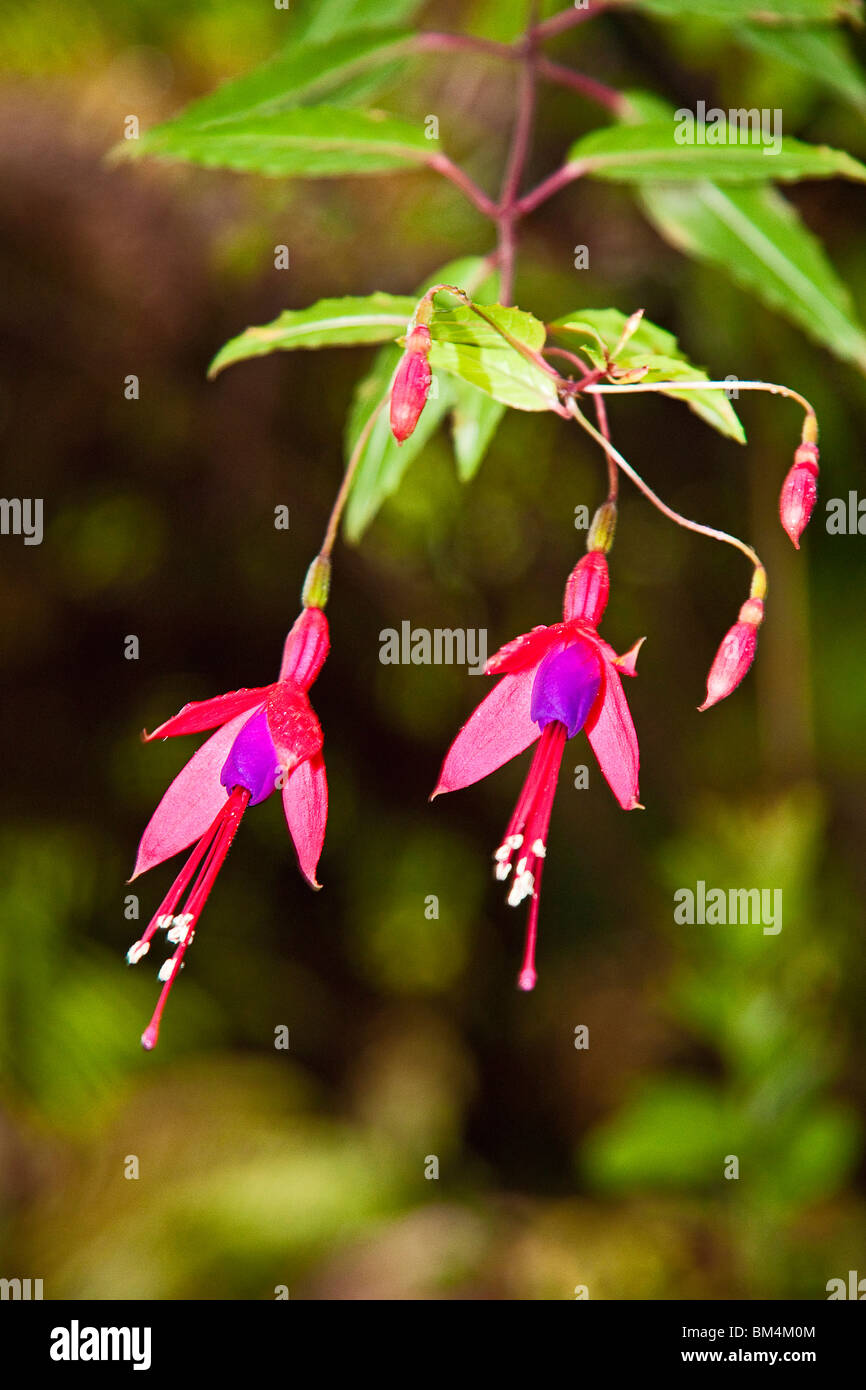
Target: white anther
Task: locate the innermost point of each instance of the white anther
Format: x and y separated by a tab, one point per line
502	871
136	951
165	969
521	865
165	921
514	841
521	888
539	849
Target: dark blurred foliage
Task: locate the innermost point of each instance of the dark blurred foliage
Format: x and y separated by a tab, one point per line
558	1167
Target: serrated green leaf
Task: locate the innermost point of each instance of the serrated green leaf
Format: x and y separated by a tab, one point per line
823	55
307	141
758	239
473	349
656	350
502	374
474	421
322	19
372	318
649	153
463	325
300	74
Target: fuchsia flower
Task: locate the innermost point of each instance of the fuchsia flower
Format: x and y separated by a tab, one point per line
736	653
411	384
799	491
266	738
555	681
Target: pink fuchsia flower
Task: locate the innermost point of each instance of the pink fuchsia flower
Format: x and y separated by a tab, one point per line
266	738
799	491
555	681
736	653
411	384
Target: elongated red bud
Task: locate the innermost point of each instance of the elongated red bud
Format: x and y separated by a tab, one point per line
411	384
736	653
799	492
587	589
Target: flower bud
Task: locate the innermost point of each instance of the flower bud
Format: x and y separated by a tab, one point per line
736	653
799	491
601	532
411	384
587	589
317	583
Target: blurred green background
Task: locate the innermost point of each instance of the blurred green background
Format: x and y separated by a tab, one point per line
305	1168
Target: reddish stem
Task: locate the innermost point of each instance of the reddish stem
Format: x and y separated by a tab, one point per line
517	156
598	92
567	19
443	165
546	189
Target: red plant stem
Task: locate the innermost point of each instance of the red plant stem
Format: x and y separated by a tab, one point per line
598	92
546	189
612	470
557	73
517	155
567	19
445	166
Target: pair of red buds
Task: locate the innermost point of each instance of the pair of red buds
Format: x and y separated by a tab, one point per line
796	504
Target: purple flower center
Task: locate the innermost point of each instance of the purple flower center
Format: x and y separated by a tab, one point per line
252	762
565	687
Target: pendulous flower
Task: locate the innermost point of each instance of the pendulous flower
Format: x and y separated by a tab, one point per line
736	652
799	491
555	681
266	738
411	383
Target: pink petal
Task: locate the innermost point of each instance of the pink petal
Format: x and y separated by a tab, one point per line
305	802
496	731
523	651
611	733
292	724
627	663
191	802
207	714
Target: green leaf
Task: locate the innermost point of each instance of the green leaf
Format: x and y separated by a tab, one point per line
463	325
649	152
474	422
759	240
374	318
322	19
658	351
300	74
823	55
311	142
735	11
471	348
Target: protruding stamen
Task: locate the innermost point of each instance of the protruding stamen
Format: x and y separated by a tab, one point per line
521	888
207	858
528	826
